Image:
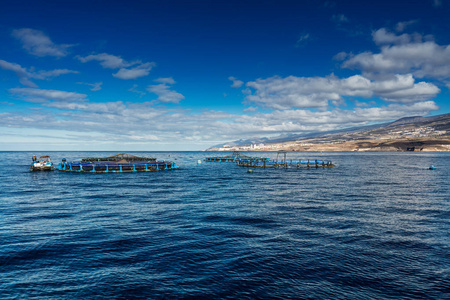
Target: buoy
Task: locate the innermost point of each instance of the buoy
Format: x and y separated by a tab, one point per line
432	168
199	162
249	171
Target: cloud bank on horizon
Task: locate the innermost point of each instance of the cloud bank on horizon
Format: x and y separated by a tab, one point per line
144	85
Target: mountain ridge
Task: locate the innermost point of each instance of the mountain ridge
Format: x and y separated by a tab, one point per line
415	133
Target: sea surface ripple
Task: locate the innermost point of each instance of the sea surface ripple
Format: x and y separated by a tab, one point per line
376	226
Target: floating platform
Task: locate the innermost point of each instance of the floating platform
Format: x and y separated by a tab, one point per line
283	163
119	163
236	156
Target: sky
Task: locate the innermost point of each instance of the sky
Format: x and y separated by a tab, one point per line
186	75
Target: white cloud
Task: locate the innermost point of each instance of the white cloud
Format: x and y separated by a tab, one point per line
362	104
417	92
25	75
236	83
114	108
120	123
12	67
250	109
342	56
107	60
403	55
382	37
136	72
39	44
401	26
316	92
290	97
164	93
168	80
22	73
39	95
126	69
52	73
404	89
283	93
282	121
97	86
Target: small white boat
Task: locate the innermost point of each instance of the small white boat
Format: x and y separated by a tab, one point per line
43	164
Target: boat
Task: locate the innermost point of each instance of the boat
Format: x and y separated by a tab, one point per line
43	164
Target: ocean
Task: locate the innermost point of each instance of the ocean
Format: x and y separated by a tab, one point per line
376	226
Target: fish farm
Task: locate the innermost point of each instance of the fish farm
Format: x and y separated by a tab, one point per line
119	157
236	156
283	163
122	162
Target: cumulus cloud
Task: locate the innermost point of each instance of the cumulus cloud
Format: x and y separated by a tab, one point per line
39	44
163	91
25	75
283	93
40	95
236	83
403	89
127	70
402	55
316	92
382	37
420	91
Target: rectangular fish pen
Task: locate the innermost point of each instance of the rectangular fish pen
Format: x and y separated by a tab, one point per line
283	163
119	163
119	157
236	156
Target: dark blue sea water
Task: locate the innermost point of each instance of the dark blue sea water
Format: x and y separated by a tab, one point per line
376	226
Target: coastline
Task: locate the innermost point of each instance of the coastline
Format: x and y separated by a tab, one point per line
441	144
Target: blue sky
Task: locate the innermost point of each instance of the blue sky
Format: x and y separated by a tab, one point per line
186	75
